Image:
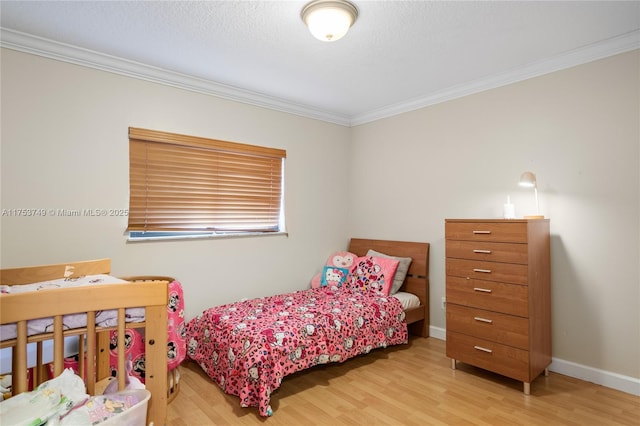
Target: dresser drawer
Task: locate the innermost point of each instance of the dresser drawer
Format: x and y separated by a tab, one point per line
506	232
489	271
501	328
512	299
488	251
501	359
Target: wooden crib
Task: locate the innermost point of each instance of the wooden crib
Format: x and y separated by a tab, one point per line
20	307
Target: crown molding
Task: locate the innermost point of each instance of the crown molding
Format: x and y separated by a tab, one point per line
593	52
28	43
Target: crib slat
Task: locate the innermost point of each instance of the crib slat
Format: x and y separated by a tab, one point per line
40	371
38	376
19	360
91	352
81	357
102	360
58	346
121	349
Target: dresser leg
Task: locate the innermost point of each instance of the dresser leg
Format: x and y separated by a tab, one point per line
453	363
546	372
527	388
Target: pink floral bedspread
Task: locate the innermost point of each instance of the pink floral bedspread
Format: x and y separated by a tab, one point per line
248	347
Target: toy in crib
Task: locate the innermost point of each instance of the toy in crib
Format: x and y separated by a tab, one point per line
131	382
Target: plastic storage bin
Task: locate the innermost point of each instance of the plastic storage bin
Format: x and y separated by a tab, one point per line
133	415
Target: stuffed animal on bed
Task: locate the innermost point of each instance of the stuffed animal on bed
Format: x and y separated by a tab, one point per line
335	271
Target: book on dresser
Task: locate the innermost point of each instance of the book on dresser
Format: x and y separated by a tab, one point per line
498	296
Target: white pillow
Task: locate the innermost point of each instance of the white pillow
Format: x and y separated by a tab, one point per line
407	300
401	272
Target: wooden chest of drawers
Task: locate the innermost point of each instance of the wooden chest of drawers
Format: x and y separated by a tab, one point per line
498	296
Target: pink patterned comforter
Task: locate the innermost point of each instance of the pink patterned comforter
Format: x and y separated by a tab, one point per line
248	347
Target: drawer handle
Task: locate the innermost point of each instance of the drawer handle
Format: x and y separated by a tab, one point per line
481	232
483	290
484	271
482	251
488	321
480	348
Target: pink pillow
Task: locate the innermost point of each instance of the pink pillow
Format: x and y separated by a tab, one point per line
342	259
339	259
373	274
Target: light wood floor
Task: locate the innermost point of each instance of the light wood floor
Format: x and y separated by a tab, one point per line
406	385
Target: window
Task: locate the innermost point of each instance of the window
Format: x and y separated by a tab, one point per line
184	185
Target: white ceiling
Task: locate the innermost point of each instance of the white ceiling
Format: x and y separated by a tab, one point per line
398	56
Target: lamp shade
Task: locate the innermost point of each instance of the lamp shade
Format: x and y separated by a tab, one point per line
329	20
528	180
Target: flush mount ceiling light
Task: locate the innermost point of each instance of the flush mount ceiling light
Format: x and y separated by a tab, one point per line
329	20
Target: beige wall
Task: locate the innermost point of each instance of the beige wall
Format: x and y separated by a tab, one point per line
65	146
578	130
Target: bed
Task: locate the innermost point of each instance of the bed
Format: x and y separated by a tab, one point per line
92	300
248	347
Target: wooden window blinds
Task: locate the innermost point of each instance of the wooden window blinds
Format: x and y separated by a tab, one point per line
192	184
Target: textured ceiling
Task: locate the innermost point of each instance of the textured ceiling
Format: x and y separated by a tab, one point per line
398	56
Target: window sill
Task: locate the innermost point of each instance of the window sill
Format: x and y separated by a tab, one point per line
205	236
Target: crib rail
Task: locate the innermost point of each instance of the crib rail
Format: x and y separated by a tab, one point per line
32	274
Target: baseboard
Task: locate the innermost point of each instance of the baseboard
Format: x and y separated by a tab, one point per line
437	333
605	378
594	375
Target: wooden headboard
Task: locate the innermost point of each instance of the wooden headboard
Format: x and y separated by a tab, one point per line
417	281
